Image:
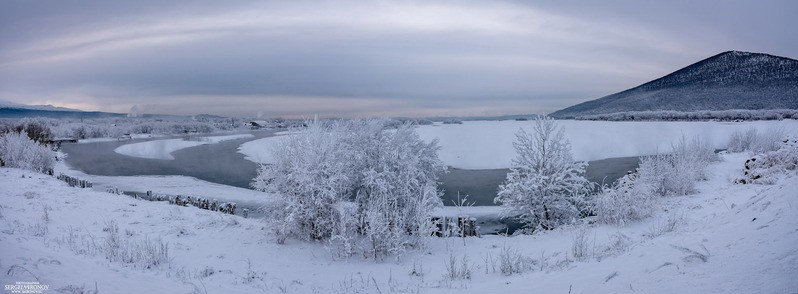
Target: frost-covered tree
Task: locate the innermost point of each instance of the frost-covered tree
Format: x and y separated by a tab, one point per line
37	128
363	187
19	151
310	178
545	187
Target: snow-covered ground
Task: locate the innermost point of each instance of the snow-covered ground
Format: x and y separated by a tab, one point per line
726	239
259	151
489	144
162	149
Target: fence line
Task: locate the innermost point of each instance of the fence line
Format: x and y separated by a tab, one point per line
74	182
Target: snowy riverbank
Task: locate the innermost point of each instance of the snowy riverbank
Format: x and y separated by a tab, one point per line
726	238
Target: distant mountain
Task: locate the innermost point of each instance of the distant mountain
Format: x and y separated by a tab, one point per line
16	110
730	80
6	112
48	107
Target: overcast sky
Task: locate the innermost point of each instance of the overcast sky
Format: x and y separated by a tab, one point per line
364	58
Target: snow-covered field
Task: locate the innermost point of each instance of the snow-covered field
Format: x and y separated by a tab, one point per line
725	239
162	149
489	144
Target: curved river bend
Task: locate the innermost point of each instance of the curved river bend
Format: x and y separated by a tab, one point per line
221	163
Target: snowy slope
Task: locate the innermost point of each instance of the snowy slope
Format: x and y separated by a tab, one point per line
727	238
162	149
730	80
489	144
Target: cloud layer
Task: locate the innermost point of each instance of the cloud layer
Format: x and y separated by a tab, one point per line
347	59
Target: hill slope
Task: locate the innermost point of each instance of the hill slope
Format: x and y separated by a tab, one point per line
730	80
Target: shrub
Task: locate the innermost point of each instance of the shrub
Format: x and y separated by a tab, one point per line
763	168
579	247
458	269
740	141
626	200
19	151
546	187
355	184
633	196
674	174
751	140
511	261
37	129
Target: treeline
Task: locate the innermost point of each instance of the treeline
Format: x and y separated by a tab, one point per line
42	129
720	115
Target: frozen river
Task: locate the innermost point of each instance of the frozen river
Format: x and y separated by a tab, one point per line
221	163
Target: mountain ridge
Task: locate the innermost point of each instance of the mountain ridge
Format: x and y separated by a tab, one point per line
725	81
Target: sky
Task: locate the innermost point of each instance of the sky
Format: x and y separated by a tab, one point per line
364	58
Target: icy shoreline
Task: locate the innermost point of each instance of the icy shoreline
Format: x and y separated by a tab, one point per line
162	149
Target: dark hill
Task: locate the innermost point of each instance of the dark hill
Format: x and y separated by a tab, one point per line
730	80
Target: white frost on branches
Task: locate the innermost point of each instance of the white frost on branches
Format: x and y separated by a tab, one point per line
546	187
756	142
628	199
634	196
17	150
361	186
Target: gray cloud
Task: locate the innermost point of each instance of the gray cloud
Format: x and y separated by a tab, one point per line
357	59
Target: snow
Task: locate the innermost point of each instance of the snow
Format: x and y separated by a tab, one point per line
162	149
488	144
259	151
746	234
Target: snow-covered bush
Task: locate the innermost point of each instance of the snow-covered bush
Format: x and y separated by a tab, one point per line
763	168
676	173
456	269
663	226
740	141
362	187
545	187
144	253
38	129
626	200
511	261
17	150
634	196
751	140
580	247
